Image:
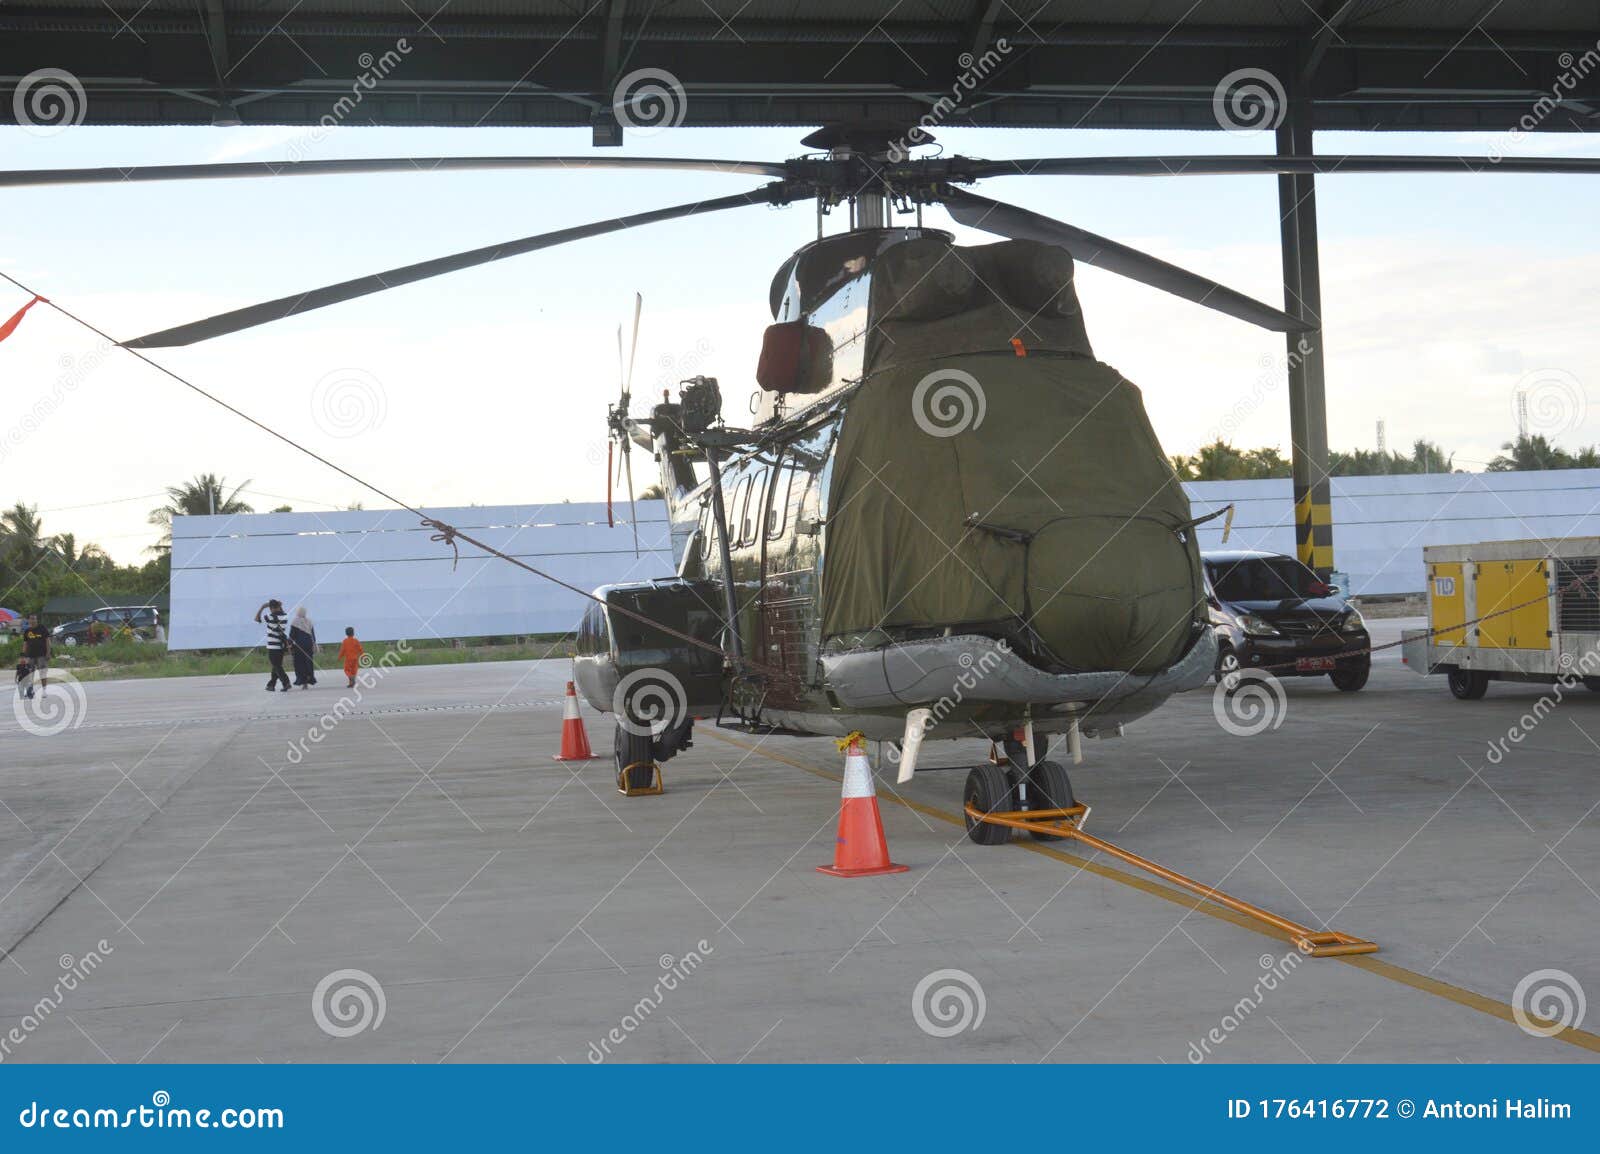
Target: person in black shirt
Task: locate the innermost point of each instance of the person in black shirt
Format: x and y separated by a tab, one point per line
36	649
277	641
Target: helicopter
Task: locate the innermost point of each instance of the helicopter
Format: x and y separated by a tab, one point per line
948	519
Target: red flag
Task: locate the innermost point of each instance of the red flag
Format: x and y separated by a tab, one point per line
11	325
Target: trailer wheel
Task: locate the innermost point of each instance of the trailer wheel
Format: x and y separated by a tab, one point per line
1468	684
988	791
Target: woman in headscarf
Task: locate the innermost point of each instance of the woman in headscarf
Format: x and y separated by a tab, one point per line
302	647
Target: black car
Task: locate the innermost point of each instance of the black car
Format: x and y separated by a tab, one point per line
1272	613
141	620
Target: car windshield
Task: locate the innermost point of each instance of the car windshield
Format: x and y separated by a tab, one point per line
1264	579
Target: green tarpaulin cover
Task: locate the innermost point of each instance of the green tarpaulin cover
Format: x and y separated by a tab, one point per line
1051	450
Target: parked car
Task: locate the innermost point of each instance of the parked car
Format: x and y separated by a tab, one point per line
1271	612
105	623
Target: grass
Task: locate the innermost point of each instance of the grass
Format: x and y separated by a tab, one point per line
114	660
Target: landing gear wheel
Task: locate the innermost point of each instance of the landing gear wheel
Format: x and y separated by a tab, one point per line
1227	666
1049	788
1352	679
1468	684
633	754
1017	753
988	791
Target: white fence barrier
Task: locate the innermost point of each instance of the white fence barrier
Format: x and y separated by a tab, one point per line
379	571
1380	524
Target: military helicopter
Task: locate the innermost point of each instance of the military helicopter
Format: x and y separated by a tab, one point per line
948	519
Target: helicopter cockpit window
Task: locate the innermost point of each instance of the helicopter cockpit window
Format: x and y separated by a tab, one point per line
735	511
750	517
707	527
778	517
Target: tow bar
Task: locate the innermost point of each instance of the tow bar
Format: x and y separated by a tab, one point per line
1068	823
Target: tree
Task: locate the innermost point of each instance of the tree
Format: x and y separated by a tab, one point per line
204	494
1530	452
23	536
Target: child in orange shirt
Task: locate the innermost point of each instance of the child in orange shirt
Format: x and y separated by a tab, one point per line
350	652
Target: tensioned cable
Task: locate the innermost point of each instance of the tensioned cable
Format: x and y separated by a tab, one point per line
444	532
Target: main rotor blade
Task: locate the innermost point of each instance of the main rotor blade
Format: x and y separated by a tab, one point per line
1248	165
420	164
275	310
1020	224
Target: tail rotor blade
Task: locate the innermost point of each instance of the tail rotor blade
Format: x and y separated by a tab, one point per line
633	513
611	520
633	351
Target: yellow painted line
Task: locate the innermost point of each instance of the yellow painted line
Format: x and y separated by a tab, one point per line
1428	985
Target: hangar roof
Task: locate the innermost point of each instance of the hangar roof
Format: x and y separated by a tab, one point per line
1383	64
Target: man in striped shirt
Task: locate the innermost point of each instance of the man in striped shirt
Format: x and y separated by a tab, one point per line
272	616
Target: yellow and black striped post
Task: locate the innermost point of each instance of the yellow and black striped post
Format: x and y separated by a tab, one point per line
1302	293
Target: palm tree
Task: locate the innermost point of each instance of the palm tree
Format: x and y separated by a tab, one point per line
91	556
204	494
1530	452
23	536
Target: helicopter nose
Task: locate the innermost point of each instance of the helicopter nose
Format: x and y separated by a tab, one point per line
1112	594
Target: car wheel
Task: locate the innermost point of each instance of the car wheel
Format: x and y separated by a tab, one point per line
69	641
1352	679
1468	684
1227	668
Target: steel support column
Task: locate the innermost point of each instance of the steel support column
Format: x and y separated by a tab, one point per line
1302	296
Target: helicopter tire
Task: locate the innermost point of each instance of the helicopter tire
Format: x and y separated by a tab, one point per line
989	791
1049	787
634	757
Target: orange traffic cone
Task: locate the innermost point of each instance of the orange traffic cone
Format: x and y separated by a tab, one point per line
574	740
860	849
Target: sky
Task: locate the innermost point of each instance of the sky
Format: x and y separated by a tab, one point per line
1444	295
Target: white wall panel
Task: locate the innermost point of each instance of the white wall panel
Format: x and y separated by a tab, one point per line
1380	524
379	571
